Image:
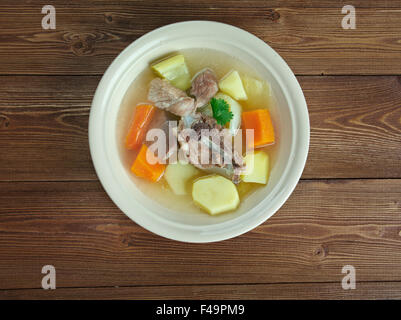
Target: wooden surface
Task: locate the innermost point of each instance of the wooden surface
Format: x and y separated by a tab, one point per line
345	210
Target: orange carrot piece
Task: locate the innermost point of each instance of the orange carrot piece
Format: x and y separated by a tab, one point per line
150	170
260	121
142	117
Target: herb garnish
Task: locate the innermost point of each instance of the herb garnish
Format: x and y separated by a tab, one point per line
221	111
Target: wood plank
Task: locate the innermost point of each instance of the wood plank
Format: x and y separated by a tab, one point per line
43	127
90	35
277	291
221	3
75	227
355	127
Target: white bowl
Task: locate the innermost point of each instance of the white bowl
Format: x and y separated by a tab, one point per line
291	125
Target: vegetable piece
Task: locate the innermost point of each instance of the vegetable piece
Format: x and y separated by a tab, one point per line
175	70
150	170
142	117
178	175
244	189
232	85
257	167
235	109
257	90
215	194
260	121
206	110
221	111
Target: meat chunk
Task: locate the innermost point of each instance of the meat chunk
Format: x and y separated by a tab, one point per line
204	87
208	146
166	96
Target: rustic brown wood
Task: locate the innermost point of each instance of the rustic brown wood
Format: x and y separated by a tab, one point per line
75	227
355	127
43	127
214	4
59	214
364	290
91	34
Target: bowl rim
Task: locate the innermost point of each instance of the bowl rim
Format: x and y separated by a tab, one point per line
292	92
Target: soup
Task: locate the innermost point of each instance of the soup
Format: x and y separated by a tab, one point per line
195	89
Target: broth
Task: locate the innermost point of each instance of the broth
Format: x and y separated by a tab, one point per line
196	60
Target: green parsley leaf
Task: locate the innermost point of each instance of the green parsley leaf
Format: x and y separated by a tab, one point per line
221	111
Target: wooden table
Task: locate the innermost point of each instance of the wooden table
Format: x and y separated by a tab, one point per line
346	210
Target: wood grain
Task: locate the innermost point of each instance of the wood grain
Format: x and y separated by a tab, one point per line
355	127
54	211
43	128
315	291
75	227
90	34
213	4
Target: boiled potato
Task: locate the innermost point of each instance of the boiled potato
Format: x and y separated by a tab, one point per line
235	108
175	70
178	175
231	84
258	91
215	194
257	170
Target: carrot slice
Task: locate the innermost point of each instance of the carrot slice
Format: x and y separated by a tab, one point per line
260	121
151	170
142	117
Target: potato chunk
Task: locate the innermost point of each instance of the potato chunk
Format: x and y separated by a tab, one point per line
215	194
178	176
257	170
231	84
175	70
258	91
